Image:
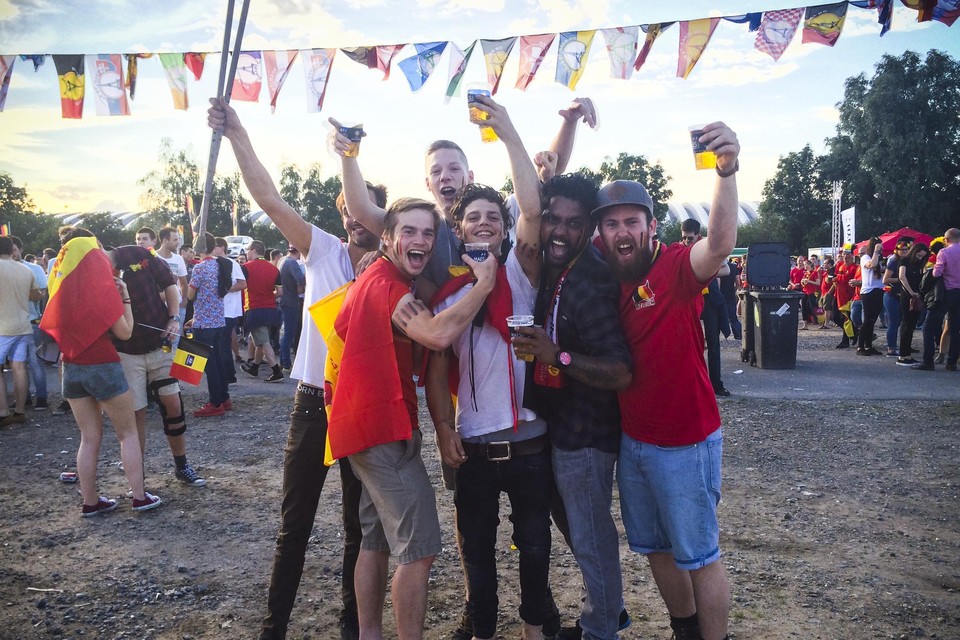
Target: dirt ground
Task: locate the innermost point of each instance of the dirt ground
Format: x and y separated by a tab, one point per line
839	520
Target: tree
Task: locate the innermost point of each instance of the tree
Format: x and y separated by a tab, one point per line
796	206
108	229
320	201
36	230
897	147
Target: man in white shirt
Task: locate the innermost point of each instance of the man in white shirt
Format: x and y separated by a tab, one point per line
168	251
232	308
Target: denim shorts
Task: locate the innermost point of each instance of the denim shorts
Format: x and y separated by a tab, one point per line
15	348
669	498
102	381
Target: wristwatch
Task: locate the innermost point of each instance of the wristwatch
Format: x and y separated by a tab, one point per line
563	359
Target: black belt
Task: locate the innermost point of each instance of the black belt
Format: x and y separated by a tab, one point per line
309	390
505	450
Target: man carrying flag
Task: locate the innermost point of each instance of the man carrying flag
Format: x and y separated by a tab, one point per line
154	298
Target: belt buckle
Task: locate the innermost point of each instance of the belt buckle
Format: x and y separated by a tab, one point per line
504	458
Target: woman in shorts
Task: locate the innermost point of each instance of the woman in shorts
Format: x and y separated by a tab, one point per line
93	380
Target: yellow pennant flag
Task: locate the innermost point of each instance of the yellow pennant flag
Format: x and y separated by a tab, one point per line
694	36
572	56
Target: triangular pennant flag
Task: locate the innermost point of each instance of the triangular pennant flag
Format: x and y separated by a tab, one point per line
924	8
6	71
572	53
418	67
823	24
70	74
194	62
278	68
385	54
694	36
622	50
495	54
132	70
947	12
109	92
751	19
653	32
777	30
176	71
458	65
885	15
378	57
316	71
249	78
533	49
37	60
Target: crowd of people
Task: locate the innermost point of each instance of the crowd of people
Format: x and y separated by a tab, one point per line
531	322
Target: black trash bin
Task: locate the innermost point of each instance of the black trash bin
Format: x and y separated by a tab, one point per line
775	320
747	348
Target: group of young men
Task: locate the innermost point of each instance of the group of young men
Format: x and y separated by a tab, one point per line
610	376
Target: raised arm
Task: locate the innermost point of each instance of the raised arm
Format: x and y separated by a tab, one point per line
562	145
221	117
707	256
355	192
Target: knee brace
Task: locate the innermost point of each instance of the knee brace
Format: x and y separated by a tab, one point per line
154	388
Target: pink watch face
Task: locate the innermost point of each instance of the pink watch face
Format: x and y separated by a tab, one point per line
564	358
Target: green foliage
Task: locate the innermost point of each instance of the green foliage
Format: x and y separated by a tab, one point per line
796	206
108	229
320	201
36	230
897	147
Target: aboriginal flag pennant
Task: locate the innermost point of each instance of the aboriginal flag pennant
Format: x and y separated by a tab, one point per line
109	91
694	36
72	81
458	65
777	29
653	32
324	313
622	50
924	8
84	302
420	66
316	71
533	49
572	54
176	71
495	54
249	78
278	68
189	360
194	62
823	24
6	72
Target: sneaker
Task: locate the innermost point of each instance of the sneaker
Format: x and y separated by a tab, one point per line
923	366
252	370
843	345
275	376
906	362
874	352
721	391
464	629
188	476
149	501
104	505
209	410
40	404
863	352
227	405
940	359
13	418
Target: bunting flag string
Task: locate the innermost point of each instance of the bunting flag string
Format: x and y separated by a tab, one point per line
821	24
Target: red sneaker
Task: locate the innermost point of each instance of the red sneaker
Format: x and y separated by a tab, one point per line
209	410
227	405
104	505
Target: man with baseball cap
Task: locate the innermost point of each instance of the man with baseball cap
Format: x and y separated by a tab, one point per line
669	466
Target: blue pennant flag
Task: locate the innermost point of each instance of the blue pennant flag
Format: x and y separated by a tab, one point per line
418	67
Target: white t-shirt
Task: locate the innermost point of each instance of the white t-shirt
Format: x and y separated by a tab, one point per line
233	301
491	357
178	268
328	267
40	282
870	279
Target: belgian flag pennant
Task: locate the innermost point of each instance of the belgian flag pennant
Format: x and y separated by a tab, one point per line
189	360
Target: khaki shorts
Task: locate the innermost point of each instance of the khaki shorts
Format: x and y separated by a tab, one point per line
144	369
398	508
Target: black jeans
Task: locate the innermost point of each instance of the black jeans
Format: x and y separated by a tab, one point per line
216	380
528	482
908	323
303	477
711	335
872	308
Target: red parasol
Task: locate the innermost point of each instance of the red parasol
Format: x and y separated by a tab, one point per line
889	239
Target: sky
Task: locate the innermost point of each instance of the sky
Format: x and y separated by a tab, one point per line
94	164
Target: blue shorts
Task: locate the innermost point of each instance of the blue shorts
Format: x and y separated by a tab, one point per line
669	498
15	348
102	381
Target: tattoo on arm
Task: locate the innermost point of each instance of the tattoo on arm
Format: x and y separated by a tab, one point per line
527	250
408	312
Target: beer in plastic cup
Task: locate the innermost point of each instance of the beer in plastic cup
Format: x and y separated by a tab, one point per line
354	132
704	159
519	321
478	250
487	134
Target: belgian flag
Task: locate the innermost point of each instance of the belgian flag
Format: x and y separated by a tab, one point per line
189	360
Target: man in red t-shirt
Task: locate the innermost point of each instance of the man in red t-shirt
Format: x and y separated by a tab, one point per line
260	311
669	466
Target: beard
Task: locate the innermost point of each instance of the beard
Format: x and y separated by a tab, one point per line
634	269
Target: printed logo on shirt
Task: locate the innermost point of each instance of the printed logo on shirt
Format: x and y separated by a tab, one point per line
644	296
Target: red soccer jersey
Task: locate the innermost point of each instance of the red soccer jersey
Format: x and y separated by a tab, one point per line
812	274
261	278
670	401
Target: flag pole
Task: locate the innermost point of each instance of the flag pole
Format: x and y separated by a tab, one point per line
224	87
